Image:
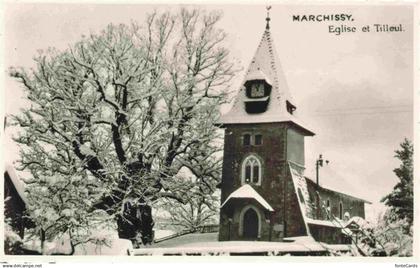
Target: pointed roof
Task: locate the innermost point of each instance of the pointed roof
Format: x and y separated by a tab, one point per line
258	75
246	191
17	183
265	64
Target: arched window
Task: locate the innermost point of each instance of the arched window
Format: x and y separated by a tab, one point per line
251	170
341	210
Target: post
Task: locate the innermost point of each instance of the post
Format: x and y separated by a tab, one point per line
229	227
319	163
42	237
317	174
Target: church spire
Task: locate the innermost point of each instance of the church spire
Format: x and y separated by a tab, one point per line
267	26
264	95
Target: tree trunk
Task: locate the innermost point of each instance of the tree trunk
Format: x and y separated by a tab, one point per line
42	237
136	224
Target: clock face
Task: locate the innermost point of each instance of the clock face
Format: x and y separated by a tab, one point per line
257	90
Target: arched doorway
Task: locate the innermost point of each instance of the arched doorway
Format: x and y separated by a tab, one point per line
250	224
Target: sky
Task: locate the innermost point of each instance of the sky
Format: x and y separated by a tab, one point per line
354	90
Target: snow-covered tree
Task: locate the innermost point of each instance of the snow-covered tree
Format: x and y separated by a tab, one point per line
390	231
125	110
401	199
201	207
61	208
12	241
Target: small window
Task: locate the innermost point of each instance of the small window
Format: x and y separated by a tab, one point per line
328	203
258	139
247	139
341	210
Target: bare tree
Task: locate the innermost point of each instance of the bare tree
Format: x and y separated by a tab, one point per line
129	107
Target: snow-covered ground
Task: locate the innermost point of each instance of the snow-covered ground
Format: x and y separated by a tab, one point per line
187	239
208	244
114	245
163	233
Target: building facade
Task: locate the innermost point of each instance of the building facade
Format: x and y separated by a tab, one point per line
264	193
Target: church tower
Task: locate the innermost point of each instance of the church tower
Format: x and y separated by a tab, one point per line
263	137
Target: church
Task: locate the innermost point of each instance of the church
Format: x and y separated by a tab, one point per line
265	195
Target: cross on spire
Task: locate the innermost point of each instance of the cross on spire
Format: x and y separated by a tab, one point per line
267	26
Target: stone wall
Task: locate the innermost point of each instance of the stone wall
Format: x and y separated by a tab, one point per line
276	186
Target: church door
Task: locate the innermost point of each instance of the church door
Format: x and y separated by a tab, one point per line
250	226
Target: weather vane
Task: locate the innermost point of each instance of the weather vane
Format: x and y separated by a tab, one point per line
267	26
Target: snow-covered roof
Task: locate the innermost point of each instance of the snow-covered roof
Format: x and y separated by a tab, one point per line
331	223
332	190
258	75
299	184
16	182
308	213
246	191
256	99
359	221
265	64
